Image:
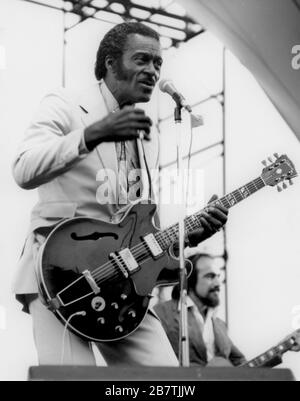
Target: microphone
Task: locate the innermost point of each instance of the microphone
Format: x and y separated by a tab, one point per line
167	86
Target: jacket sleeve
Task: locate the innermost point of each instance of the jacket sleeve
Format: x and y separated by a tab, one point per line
233	354
236	357
49	147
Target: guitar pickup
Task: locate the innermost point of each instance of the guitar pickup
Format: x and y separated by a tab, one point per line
153	245
128	259
119	262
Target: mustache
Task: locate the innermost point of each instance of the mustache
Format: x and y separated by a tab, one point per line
149	79
215	289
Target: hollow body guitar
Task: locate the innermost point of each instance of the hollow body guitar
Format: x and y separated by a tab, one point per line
97	277
82	272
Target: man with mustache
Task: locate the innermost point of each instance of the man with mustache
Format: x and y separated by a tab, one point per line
208	337
209	343
80	152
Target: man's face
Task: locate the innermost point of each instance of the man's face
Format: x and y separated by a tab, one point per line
208	283
138	70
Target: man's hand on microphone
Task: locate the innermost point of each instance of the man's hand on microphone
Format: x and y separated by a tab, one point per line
212	219
122	125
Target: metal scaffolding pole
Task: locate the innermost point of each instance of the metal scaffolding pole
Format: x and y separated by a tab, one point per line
177	28
225	254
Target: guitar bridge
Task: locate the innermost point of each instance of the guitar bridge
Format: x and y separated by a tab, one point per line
89	278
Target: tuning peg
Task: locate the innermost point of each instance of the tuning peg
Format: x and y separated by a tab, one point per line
276	155
270	159
279	189
291	182
284	186
264	162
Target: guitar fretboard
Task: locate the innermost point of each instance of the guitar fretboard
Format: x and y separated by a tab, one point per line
267	356
168	236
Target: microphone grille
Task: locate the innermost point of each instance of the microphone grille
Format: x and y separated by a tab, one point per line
162	84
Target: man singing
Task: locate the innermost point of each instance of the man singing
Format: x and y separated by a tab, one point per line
76	149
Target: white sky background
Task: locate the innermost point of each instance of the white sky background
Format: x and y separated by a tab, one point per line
263	232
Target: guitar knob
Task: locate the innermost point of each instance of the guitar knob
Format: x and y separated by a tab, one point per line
101	320
119	329
115	305
291	182
132	313
98	304
276	155
279	189
264	163
284	186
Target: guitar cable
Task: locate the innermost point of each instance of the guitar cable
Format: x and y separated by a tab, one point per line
62	354
147	168
189	163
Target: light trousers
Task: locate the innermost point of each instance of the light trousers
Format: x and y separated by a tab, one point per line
148	345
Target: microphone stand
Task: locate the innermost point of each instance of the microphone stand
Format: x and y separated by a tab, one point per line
184	359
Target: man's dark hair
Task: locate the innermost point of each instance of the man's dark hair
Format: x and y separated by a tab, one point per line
114	41
192	280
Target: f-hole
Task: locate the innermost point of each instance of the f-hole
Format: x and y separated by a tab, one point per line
95	236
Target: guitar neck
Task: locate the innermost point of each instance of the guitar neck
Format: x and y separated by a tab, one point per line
267	356
168	236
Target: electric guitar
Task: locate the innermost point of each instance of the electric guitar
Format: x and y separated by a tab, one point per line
271	353
262	359
97	277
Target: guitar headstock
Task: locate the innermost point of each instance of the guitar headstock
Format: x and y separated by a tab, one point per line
292	340
280	170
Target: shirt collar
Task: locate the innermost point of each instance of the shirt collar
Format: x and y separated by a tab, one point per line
109	99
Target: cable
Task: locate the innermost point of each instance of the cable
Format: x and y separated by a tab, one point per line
189	162
62	354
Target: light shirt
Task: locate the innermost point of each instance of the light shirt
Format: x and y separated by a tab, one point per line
127	156
206	327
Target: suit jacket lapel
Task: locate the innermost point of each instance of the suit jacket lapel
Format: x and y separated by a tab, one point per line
94	109
148	150
93	102
197	345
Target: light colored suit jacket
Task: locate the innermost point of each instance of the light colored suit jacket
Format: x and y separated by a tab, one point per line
52	157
